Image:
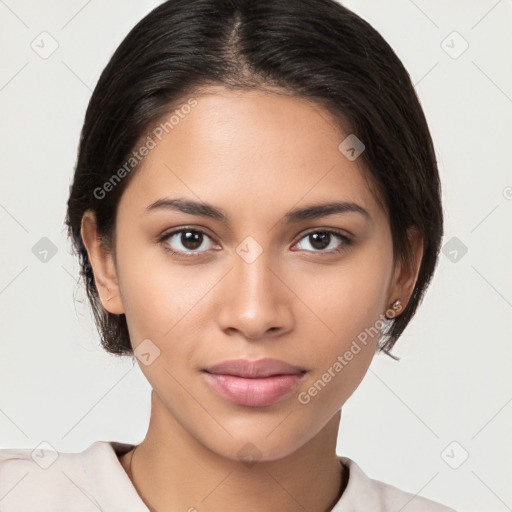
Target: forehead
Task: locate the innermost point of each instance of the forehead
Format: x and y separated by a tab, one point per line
250	150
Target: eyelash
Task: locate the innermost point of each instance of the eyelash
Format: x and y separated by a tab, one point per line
190	254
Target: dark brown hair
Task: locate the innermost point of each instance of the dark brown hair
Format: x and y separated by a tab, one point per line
315	49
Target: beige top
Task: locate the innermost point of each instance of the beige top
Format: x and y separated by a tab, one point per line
92	480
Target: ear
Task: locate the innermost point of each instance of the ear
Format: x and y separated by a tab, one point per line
102	263
406	273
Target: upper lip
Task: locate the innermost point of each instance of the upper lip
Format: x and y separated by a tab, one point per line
252	369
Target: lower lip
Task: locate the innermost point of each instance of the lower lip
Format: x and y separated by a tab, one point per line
257	392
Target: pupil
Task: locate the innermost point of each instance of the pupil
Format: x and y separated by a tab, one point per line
191	239
320	240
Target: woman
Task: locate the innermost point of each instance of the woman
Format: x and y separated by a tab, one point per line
256	208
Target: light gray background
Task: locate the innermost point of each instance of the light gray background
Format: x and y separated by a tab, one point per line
453	382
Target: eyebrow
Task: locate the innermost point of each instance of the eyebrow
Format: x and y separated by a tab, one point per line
295	215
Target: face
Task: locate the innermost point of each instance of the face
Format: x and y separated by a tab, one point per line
252	280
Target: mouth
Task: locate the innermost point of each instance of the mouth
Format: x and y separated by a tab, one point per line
254	383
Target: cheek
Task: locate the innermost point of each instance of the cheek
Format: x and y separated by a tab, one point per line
350	299
152	290
351	304
163	301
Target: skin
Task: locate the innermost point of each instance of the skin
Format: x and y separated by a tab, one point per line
255	155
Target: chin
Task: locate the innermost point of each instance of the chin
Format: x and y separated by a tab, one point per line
260	444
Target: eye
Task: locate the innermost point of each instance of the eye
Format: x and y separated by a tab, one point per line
323	239
186	241
190	241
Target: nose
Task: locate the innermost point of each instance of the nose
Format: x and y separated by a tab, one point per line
255	300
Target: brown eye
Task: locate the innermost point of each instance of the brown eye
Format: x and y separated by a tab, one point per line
325	241
186	240
320	240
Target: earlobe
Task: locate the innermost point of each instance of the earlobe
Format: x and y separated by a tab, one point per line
394	310
102	265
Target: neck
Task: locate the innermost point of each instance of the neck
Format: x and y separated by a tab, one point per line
172	471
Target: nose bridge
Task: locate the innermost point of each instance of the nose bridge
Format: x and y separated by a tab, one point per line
255	276
255	299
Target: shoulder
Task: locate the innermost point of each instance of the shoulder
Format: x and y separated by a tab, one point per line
53	480
364	493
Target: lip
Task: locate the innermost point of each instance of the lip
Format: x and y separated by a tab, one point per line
254	383
252	369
